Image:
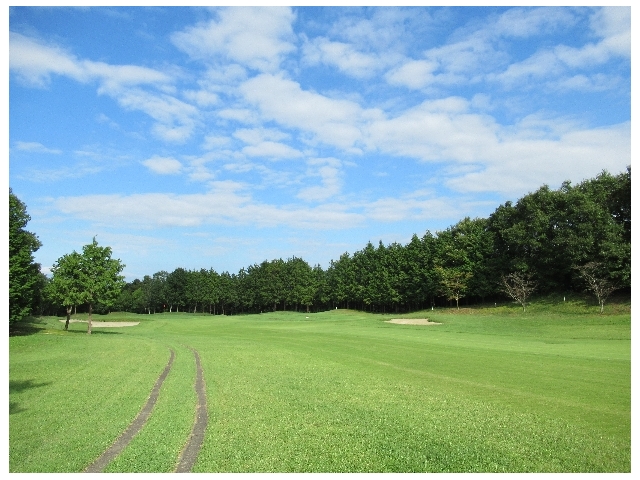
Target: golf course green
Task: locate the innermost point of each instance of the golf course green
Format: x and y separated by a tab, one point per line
485	390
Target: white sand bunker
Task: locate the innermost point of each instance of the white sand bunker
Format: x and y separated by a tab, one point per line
413	321
95	324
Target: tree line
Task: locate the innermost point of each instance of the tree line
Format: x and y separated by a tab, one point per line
574	238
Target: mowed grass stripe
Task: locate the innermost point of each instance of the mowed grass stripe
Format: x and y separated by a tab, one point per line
345	392
263	373
132	430
529	374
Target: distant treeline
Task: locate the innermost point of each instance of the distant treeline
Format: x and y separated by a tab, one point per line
547	234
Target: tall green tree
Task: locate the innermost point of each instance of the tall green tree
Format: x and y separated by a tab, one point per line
91	277
548	232
176	288
341	280
160	290
212	289
23	271
271	283
321	294
66	286
300	287
228	291
100	276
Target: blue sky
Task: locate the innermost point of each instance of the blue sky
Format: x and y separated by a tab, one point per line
198	138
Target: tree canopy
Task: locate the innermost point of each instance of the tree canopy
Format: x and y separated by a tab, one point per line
24	273
544	239
88	278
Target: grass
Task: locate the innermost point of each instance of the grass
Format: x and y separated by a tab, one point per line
489	390
154	448
70	395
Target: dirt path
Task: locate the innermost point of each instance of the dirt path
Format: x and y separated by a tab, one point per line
190	452
134	427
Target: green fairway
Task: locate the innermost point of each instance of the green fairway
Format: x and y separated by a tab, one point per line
489	390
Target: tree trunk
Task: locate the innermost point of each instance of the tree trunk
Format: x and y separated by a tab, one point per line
66	325
90	318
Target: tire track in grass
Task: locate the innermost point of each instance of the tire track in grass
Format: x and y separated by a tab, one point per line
191	450
134	427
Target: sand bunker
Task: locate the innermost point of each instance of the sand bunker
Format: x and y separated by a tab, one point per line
412	321
104	324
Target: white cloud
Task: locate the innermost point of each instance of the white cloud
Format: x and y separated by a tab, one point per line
520	164
36	147
413	74
163	165
344	56
330	172
198	170
265	142
175	119
34	62
254	136
212	142
223	205
257	37
583	83
390	209
441	130
80	170
476	53
203	98
527	22
273	150
118	76
242	115
333	121
613	24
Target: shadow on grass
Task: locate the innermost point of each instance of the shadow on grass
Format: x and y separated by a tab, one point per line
17	386
94	332
20	386
14	408
28	326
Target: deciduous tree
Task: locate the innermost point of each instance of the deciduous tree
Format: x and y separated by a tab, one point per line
519	286
597	282
91	277
66	287
453	283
